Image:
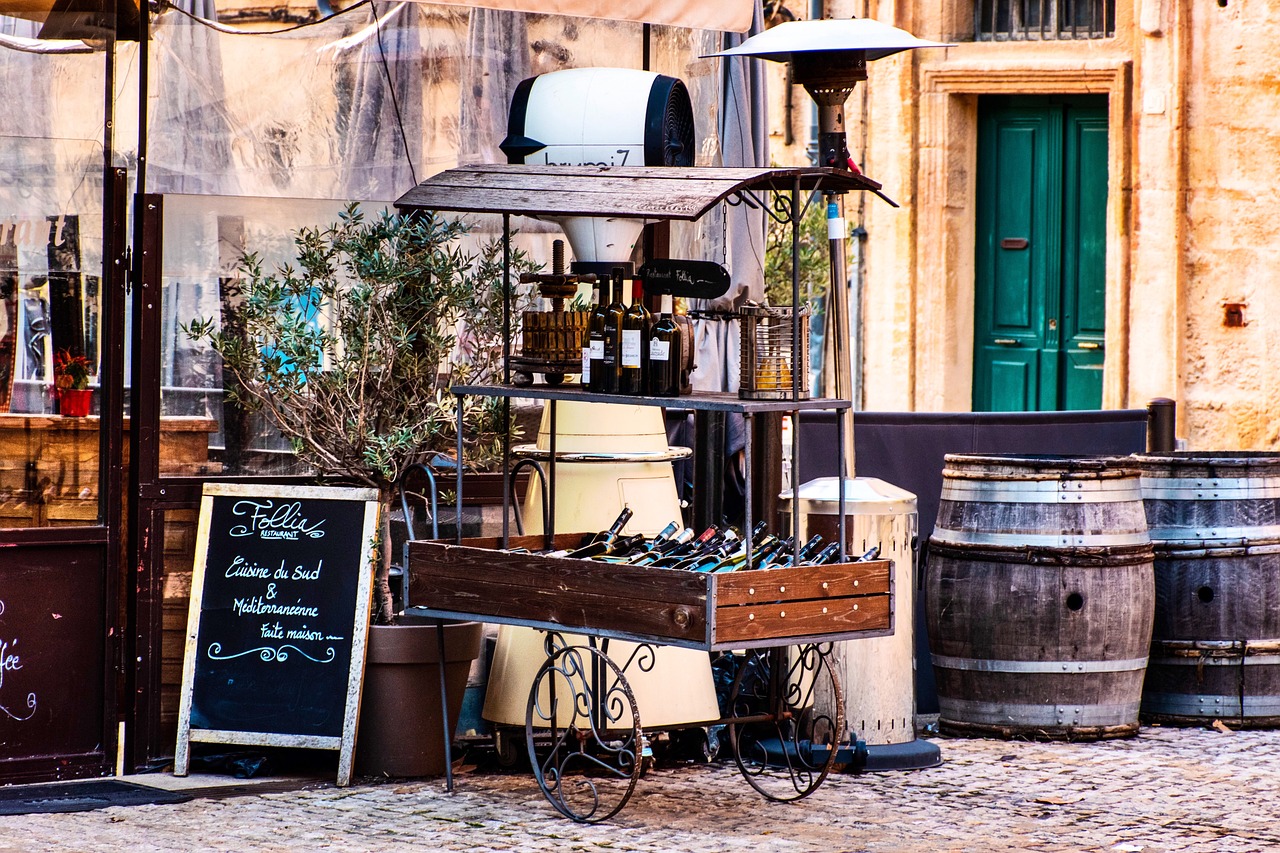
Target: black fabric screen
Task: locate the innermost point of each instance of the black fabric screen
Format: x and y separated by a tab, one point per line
907	450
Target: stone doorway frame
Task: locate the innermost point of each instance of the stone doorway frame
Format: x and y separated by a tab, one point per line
946	217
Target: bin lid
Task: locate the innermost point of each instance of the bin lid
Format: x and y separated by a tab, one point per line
862	496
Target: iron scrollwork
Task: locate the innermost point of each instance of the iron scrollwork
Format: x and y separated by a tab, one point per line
786	718
582	729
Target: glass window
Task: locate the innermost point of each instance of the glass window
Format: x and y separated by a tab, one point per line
51	227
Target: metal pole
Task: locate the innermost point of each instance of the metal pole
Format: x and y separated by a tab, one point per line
444	707
457	499
551	478
796	366
839	375
748	422
506	377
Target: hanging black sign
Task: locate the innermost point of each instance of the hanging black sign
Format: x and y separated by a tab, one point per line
691	279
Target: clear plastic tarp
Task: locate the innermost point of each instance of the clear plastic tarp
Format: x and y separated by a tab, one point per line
51	225
253	127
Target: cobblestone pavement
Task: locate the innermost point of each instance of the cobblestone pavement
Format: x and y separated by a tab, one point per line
1165	790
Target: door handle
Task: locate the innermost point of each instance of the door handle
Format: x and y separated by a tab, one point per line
1014	243
1090	345
1007	342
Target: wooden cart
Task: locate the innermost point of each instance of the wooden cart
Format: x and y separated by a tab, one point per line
784	712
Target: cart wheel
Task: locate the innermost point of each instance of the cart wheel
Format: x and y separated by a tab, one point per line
582	729
794	695
553	378
506	747
521	378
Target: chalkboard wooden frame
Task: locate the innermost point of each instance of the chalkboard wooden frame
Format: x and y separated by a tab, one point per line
345	744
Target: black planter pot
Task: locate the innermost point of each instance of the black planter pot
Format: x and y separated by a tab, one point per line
400	731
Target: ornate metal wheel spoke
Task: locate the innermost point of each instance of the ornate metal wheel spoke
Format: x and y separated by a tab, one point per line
787	713
582	730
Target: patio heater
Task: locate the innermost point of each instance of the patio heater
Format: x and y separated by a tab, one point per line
828	57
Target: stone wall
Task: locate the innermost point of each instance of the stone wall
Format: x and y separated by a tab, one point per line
1194	138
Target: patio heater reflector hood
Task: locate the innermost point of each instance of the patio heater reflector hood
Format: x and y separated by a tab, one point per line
828	57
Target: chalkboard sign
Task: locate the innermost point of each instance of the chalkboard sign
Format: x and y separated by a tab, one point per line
278	619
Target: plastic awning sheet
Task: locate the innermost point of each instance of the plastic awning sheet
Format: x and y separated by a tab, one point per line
728	15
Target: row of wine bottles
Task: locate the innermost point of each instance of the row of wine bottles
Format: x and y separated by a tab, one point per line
629	351
716	549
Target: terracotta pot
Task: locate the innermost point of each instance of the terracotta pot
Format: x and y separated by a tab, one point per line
400	731
74	402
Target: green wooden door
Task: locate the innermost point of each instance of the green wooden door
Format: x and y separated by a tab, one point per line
1041	253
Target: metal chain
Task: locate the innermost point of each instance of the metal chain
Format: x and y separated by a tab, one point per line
724	233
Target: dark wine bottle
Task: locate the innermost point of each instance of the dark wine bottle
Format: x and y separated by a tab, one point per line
710	557
595	336
826	555
593	340
602	543
634	360
647	546
662	549
736	561
780	550
810	548
711	538
621	548
665	350
610	361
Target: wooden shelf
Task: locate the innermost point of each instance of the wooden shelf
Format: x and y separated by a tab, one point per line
699	400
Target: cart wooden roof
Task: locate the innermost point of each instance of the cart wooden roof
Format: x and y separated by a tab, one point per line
625	191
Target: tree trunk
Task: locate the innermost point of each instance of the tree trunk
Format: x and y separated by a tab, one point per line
384	606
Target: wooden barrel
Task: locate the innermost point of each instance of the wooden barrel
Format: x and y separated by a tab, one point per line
1039	597
1215	526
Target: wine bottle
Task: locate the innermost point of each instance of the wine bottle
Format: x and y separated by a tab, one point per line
729	542
610	361
665	350
648	546
675	543
634	361
602	542
826	555
709	538
619	549
593	341
872	554
595	336
780	550
760	550
810	548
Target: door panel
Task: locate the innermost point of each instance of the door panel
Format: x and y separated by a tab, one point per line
1012	381
1040	257
1018	288
1084	269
